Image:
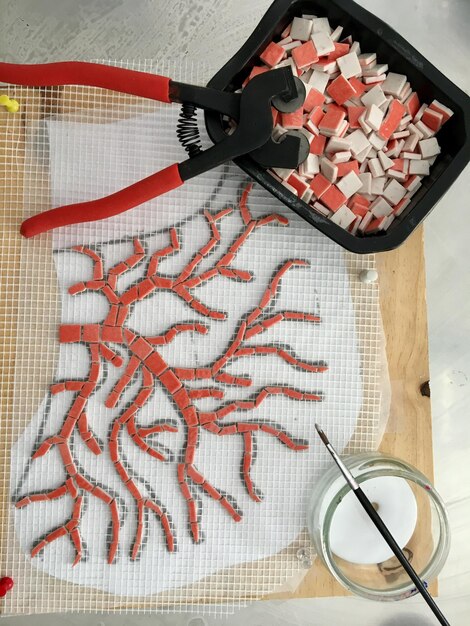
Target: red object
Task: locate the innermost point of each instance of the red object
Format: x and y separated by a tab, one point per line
300	185
354	113
358	86
313	99
340	50
341	90
332	120
398	165
320	185
293	121
318	145
123	200
345	168
412	104
393	119
437	106
432	119
6	584
273	54
258	69
305	55
119	79
333	198
316	115
153	371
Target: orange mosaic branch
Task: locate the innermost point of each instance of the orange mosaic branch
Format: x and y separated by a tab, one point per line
146	363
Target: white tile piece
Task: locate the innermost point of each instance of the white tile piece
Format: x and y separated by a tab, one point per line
378	185
397	175
367	58
374	117
394	84
323	43
410	156
377	142
362	156
394	192
419	167
420	113
366	220
363	167
336	34
341	157
355	48
375	168
307	196
310	167
374	96
321	24
364	125
411	142
405	204
380	208
424	130
358	142
288	47
283	172
344	217
350	184
301	29
320	208
429	148
319	81
413	183
377	70
338	144
329	170
385	162
366	180
349	65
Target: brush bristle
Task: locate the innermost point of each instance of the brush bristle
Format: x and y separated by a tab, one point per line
323	437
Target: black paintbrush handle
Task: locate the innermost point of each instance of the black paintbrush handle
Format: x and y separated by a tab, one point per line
397	551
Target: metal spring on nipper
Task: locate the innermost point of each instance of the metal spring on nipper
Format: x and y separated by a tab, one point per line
187	130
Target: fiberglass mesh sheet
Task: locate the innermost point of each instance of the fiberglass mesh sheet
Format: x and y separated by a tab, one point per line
81	143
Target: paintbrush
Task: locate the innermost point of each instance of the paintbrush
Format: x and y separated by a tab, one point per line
383	530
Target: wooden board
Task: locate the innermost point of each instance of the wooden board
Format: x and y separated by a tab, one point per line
402	284
409	429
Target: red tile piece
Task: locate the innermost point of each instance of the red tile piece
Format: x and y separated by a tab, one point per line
332	120
432	119
70	333
318	145
345	168
354	113
333	198
170	381
341	90
273	54
358	86
305	55
155	364
314	99
293	121
320	185
392	121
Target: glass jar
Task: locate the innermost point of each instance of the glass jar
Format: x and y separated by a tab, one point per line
426	548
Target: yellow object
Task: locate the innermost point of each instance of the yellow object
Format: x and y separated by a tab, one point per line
11	106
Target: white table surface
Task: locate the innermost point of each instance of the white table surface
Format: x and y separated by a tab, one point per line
33	31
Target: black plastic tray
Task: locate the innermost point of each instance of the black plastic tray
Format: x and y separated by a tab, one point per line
374	36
